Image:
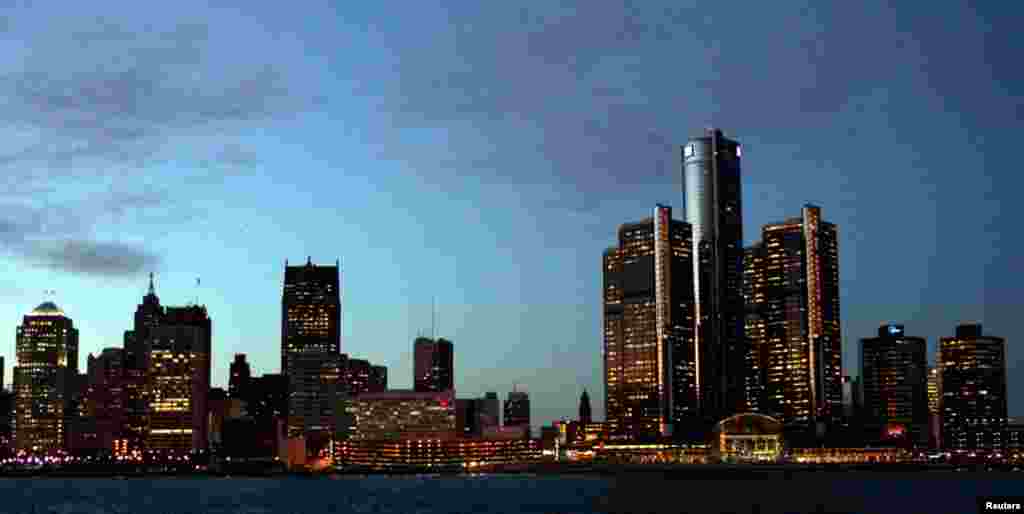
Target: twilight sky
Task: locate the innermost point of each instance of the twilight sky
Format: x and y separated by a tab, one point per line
486	154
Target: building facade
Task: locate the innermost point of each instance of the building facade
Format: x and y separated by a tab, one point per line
47	356
177	388
713	199
241	374
793	321
404	415
974	402
894	368
517	409
310	344
433	365
649	352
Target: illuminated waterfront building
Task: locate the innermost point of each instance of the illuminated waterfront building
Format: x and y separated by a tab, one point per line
241	374
402	414
712	190
748	437
974	403
793	320
47	354
471	454
178	382
433	365
649	361
754	285
894	369
310	344
935	406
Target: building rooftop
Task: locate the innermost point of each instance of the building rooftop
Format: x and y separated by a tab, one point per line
47	309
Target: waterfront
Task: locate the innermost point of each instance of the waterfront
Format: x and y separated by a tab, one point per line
854	492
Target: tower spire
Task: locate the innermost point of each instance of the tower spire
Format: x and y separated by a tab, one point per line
152	289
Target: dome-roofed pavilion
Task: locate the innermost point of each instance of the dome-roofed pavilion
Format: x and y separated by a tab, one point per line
749	436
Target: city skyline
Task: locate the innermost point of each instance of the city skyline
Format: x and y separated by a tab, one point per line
425	191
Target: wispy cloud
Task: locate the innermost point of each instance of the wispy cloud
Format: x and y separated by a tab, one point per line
103	104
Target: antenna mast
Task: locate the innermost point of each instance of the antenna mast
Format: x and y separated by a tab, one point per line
433	318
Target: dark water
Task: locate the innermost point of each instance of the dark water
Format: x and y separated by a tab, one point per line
951	493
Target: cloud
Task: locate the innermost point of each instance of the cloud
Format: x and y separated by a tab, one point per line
109	95
57	237
95	108
98	258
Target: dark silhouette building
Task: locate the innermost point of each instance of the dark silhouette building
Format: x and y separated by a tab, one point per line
490	411
241	374
45	379
311	345
433	365
585	414
792	321
649	361
974	402
517	409
148	315
712	190
894	368
378	379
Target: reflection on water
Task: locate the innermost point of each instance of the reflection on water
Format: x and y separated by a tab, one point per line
424	494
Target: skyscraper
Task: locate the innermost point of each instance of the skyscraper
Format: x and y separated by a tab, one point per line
433	365
894	368
935	406
517	409
241	374
490	411
974	403
177	386
586	416
650	387
712	190
148	315
47	351
310	344
793	320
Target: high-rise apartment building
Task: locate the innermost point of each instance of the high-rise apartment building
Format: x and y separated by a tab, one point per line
105	398
311	344
712	190
974	403
433	365
649	355
894	368
44	379
241	374
792	320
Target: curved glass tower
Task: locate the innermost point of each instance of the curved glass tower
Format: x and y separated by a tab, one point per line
711	187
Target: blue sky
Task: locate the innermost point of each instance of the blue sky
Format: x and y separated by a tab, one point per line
485	155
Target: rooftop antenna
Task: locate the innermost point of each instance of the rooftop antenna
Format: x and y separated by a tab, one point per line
197	291
152	289
433	317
